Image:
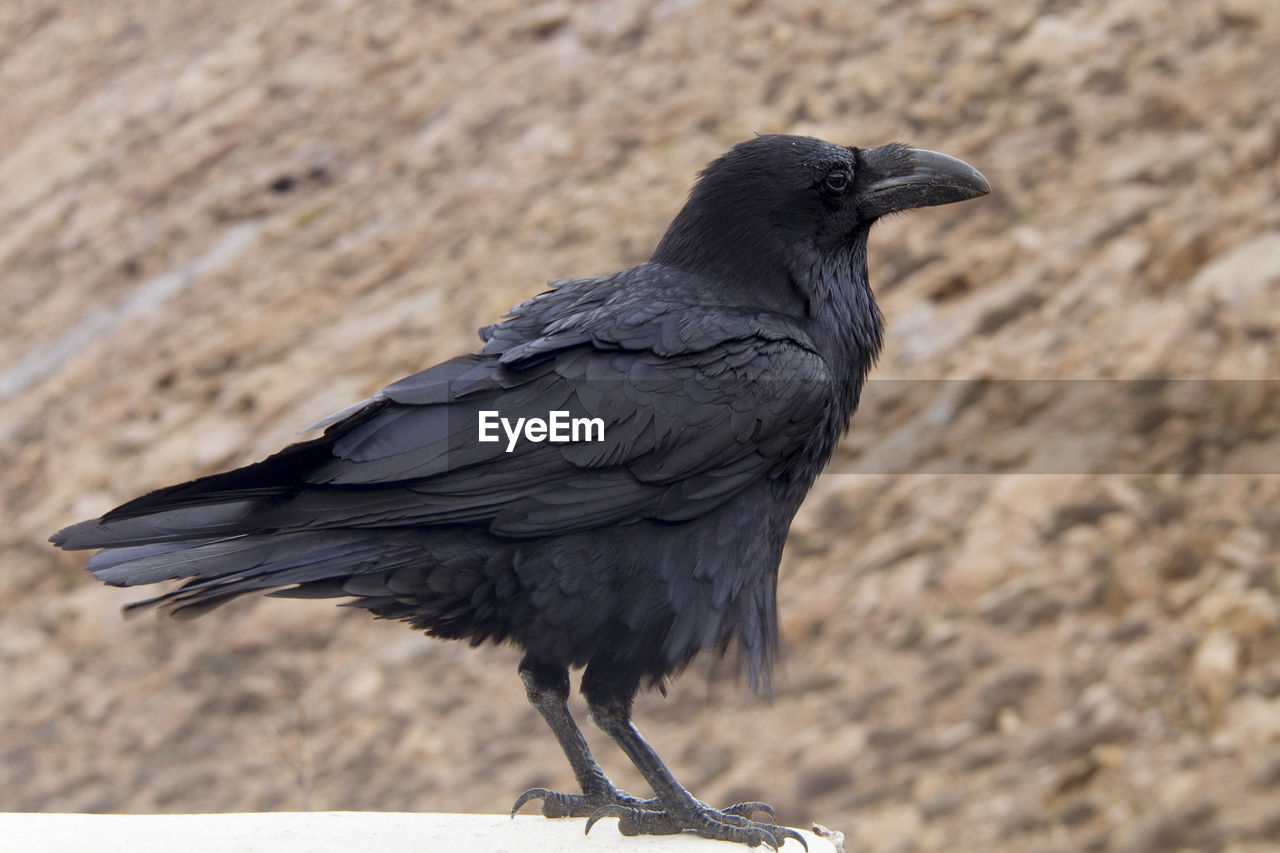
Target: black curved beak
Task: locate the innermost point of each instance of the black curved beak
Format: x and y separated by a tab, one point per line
901	178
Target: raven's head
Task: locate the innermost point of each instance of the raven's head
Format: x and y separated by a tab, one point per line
777	201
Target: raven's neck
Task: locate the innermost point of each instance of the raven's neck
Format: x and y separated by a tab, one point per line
842	317
824	288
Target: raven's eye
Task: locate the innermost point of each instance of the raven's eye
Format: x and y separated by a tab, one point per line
837	180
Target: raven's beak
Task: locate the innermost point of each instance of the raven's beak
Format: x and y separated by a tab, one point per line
902	178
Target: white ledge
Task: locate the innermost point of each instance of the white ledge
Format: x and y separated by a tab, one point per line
342	832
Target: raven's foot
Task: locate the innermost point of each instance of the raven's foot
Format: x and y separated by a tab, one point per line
731	824
557	804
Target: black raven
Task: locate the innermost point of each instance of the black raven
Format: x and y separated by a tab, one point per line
711	382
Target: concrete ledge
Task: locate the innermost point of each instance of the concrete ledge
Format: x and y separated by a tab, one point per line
340	832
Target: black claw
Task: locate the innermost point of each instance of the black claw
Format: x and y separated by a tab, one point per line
748	809
531	794
556	804
791	833
727	825
780	834
603	811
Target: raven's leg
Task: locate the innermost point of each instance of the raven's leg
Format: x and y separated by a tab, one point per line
609	698
548	690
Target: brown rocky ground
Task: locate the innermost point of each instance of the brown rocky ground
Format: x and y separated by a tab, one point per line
222	220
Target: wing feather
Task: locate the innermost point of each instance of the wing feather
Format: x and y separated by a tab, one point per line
696	406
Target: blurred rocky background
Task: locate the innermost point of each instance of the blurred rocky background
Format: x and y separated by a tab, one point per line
220	221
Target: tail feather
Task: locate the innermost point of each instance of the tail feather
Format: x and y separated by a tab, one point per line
142	564
178	525
266	528
221	569
220	505
240	556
